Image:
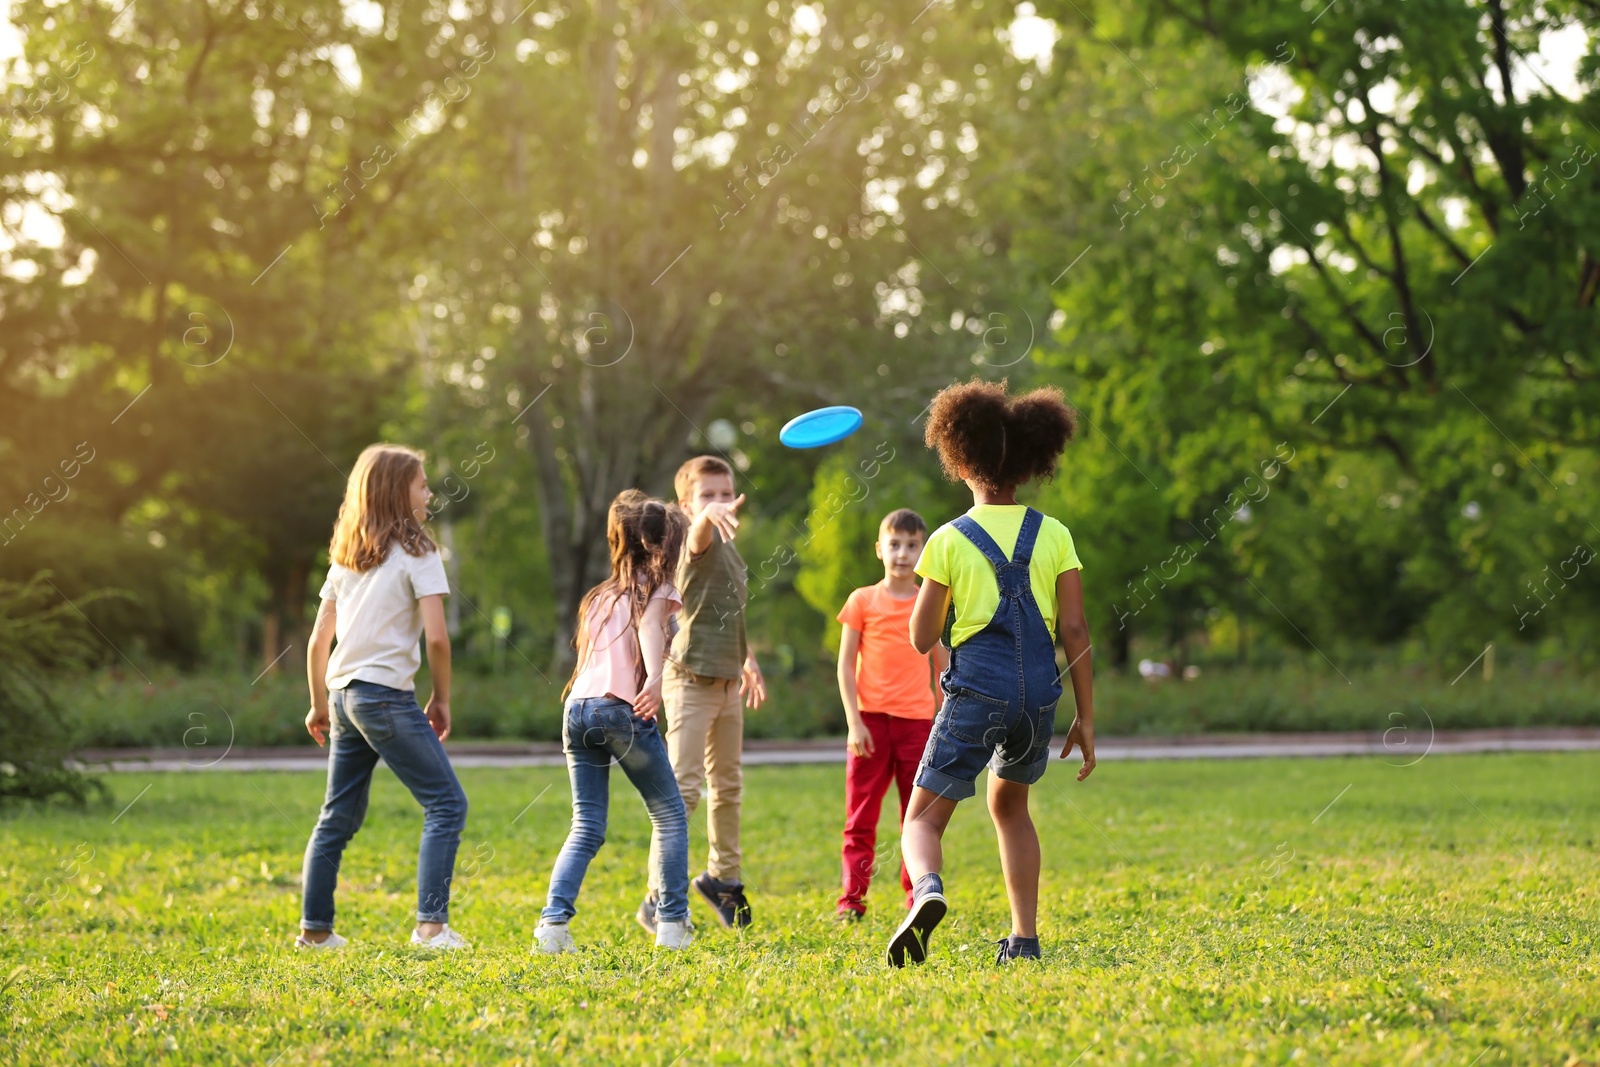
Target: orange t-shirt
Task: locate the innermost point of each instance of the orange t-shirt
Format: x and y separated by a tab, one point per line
891	676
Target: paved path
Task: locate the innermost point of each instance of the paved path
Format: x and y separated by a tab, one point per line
1396	746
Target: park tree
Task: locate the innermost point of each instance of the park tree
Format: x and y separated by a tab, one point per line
1365	231
202	267
669	218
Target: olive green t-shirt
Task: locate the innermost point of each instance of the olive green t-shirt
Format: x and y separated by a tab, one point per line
711	639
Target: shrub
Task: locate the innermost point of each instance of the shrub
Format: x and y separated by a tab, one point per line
37	639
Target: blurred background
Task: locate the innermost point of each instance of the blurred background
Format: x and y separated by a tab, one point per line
1320	278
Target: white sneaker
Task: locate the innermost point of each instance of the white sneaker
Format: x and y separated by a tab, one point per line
333	940
553	939
446	938
674	935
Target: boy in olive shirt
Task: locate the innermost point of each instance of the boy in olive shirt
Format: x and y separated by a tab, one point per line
710	674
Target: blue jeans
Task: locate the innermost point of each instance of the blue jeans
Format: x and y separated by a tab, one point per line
367	721
597	732
973	731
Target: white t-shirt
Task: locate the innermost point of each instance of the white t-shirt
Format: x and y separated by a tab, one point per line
378	622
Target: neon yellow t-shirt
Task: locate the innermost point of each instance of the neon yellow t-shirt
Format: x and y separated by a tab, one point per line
950	559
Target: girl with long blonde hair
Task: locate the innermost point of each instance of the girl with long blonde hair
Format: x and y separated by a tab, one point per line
385	589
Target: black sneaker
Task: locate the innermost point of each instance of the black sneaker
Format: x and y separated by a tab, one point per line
727	900
910	941
848	915
1018	948
647	913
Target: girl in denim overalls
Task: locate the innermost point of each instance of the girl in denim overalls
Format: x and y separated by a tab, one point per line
995	608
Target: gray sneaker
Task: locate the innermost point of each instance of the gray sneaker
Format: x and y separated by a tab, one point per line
727	900
1018	948
647	913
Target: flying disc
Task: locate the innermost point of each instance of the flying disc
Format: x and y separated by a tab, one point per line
824	426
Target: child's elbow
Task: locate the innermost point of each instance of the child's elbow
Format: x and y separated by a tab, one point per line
1075	631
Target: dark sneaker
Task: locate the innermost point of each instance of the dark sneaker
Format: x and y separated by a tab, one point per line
910	941
726	899
848	915
1018	948
647	913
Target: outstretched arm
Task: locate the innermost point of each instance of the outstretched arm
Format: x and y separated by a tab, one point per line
723	518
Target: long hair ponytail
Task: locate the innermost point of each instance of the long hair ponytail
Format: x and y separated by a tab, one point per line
646	538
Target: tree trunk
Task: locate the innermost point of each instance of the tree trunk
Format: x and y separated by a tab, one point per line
1121	647
284	628
269	638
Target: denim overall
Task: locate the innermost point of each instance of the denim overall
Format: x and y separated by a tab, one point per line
1002	685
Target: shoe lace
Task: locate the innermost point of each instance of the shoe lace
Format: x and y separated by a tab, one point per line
1005	945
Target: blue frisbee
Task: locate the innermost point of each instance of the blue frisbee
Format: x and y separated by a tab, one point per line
824	426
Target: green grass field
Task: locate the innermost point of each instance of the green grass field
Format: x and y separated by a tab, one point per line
1340	911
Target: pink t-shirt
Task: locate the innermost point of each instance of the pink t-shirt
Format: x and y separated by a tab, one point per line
610	666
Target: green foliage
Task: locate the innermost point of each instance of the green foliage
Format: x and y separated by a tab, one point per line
40	635
155	614
852	493
1246	284
1332	910
582	238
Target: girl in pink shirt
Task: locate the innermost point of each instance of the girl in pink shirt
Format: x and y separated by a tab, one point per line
610	718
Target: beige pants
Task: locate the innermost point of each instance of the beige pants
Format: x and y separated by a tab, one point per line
705	740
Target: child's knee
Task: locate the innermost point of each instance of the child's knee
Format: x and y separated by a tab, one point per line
335	826
589	835
669	817
1008	800
449	812
727	786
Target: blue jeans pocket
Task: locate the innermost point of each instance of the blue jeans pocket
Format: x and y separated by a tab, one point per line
974	718
1029	743
375	718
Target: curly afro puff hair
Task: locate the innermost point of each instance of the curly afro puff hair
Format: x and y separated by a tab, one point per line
995	440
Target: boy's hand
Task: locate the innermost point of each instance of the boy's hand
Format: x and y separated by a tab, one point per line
1082	735
751	685
725	517
860	742
317	724
439	716
647	705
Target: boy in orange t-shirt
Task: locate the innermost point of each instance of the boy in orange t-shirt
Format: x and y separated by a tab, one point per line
889	697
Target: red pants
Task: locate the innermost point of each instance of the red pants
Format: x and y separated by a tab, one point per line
897	745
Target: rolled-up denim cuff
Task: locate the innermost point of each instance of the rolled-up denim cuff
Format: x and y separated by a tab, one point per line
433	916
936	781
1021	773
309	924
